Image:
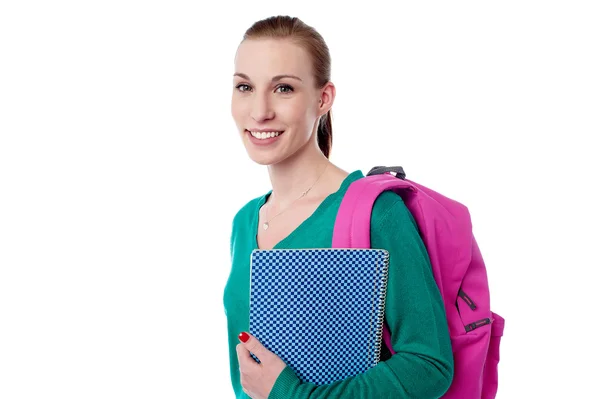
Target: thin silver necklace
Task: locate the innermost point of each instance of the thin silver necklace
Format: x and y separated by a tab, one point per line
267	223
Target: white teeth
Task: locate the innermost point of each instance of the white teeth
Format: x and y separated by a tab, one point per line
264	135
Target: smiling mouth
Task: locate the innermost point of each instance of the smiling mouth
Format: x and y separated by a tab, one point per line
264	135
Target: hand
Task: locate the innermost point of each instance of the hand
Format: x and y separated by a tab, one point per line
257	378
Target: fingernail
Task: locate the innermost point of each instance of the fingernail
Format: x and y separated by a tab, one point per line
243	337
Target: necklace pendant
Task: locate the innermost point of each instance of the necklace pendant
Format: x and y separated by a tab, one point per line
265	225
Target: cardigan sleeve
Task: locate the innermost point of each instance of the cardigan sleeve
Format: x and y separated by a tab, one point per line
422	366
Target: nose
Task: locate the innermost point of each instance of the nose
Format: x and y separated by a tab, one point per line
261	108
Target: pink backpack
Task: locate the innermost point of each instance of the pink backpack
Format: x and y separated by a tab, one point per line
458	269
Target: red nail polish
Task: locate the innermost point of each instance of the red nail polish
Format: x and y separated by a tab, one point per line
243	337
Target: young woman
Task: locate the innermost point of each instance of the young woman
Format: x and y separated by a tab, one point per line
281	104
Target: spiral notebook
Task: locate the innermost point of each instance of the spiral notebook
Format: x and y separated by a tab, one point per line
320	310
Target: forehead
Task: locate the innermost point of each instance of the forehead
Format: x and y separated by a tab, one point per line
262	59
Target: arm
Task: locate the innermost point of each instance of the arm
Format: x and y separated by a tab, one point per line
423	365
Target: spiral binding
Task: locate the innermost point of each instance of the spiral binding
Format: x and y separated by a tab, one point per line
381	295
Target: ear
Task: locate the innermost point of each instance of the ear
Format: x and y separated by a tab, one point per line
327	97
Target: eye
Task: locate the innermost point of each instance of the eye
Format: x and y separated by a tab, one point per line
287	87
241	85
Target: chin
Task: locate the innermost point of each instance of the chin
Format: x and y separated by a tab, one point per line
265	159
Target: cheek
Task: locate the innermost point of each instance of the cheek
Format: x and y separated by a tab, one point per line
294	114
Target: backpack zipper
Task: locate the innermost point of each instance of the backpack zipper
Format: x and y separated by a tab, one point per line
477	324
468	300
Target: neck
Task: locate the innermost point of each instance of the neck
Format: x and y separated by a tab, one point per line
297	174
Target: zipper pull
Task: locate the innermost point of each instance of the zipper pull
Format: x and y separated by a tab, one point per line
468	300
477	324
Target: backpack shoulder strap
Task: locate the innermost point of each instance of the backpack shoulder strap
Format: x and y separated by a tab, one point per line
353	223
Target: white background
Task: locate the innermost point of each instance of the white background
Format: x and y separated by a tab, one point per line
121	169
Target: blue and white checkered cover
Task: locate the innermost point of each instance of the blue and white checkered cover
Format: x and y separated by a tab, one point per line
320	310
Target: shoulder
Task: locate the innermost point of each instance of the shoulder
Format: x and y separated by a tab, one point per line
394	228
389	210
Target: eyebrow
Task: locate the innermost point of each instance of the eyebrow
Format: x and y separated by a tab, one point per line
275	78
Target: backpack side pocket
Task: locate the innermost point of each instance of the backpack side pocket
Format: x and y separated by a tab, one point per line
490	370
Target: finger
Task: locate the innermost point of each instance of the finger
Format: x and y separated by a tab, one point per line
253	345
242	353
244	359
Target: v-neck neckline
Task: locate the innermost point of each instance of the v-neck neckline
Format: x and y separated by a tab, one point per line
320	209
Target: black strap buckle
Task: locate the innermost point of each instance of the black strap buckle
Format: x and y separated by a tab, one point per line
397	171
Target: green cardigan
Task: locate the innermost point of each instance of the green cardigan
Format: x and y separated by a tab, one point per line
423	364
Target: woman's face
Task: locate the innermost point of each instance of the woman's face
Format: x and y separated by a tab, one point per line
274	99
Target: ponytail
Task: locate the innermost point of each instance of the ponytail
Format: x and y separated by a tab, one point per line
325	134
